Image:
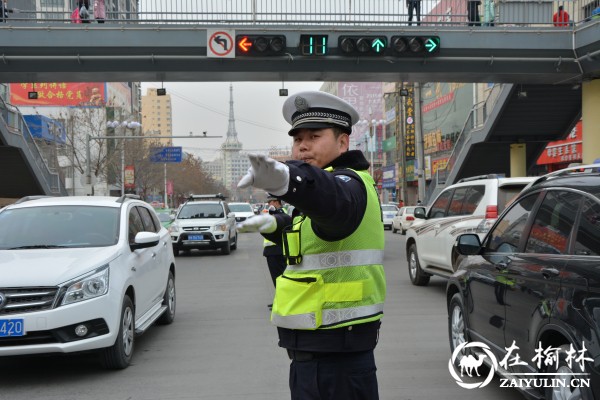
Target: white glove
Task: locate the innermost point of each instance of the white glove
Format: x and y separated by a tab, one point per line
266	173
264	223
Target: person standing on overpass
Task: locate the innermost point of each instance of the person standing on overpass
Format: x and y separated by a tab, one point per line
329	301
561	18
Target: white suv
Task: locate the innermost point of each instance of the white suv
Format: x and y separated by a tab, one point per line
470	206
204	222
82	273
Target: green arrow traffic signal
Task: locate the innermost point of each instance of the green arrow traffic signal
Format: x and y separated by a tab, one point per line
414	45
378	45
432	44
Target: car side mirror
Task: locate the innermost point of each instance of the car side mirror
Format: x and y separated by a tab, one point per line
420	213
468	244
144	240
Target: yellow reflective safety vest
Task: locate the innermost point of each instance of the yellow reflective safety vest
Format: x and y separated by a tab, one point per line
267	243
333	284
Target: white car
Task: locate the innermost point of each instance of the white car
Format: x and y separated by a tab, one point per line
470	206
403	220
204	222
83	273
242	211
389	211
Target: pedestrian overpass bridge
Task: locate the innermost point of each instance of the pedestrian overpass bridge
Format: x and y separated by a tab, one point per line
550	61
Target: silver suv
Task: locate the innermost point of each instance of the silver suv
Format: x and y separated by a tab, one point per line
204	222
470	206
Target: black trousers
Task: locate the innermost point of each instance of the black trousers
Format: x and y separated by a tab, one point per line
335	376
473	13
276	264
416	6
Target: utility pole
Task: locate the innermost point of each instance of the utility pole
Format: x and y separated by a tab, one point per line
400	131
419	143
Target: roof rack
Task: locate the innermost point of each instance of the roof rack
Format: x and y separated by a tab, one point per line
29	198
478	177
571	170
206	196
128	196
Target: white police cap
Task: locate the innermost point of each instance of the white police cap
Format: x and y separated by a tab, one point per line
315	110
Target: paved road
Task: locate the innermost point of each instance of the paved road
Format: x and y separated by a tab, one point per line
222	347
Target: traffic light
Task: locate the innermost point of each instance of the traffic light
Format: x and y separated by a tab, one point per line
362	45
313	45
260	45
415	45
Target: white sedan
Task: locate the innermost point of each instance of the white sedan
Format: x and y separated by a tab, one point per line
83	273
403	220
388	211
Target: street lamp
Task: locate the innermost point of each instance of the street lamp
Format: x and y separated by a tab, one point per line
372	124
125	125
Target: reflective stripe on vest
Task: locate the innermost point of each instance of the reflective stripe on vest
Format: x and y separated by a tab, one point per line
267	243
334	284
351	258
330	317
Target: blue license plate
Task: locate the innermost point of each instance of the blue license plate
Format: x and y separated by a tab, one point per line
195	237
12	327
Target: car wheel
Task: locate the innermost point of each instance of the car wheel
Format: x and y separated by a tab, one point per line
169	300
403	232
567	373
175	251
234	246
394	230
226	249
118	356
417	276
457	327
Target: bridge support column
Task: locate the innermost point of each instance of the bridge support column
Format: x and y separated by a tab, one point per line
518	160
590	93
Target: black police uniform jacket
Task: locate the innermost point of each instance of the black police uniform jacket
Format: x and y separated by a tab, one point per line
335	202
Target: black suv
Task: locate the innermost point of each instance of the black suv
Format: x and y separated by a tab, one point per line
532	287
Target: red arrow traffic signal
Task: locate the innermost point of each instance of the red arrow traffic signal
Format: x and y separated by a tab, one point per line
244	44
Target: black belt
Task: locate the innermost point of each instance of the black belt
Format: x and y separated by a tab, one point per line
297	355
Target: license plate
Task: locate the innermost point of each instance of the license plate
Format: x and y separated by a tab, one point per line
12	327
195	237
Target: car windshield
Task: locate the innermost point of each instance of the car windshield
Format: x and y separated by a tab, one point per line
241	208
164	217
389	208
58	227
201	211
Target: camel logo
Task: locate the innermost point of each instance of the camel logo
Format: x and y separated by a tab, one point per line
469	364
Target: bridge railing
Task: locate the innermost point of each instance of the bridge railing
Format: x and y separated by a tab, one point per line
15	124
392	13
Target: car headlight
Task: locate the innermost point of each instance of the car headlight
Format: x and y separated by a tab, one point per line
220	227
173	228
87	287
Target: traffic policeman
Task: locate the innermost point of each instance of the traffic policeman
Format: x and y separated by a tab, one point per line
329	301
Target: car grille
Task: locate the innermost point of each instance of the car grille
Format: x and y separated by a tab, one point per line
240	219
196	228
24	300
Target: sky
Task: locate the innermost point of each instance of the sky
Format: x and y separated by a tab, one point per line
204	106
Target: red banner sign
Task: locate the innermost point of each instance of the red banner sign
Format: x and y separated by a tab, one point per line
561	151
58	94
129	177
